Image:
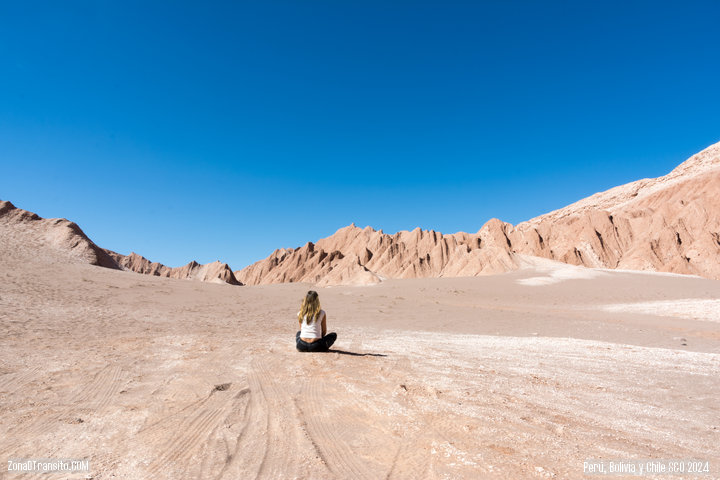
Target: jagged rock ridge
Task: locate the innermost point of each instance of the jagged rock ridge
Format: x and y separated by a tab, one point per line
58	239
215	272
667	224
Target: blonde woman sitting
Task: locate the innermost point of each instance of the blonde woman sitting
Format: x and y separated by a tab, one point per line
313	326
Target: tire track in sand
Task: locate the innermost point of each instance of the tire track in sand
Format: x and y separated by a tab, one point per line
436	432
224	443
251	437
12	382
281	420
94	396
415	443
191	433
98	394
336	453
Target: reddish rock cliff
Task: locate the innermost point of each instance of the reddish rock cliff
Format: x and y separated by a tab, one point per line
667	224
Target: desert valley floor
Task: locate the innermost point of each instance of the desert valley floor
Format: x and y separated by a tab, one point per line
520	375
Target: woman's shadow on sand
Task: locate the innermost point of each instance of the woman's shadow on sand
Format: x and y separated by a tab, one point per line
355	354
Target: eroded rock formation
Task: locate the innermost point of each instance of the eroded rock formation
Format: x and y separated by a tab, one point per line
215	272
58	238
666	224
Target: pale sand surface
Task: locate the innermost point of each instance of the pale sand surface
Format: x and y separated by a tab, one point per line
693	308
487	377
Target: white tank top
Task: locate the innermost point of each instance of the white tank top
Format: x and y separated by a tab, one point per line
313	330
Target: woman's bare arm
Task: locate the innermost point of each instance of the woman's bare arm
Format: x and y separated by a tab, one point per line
324	325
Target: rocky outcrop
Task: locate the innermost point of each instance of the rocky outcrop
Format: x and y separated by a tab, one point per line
62	238
32	237
308	263
215	272
139	264
355	256
667	224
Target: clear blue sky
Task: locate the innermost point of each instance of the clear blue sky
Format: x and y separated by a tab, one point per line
224	130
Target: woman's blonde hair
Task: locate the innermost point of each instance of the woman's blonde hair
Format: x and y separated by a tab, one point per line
310	308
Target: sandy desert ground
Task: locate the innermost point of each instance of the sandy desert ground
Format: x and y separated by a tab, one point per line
520	375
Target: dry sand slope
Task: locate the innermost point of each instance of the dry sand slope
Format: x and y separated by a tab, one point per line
507	376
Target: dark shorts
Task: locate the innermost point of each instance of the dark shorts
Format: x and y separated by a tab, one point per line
320	345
